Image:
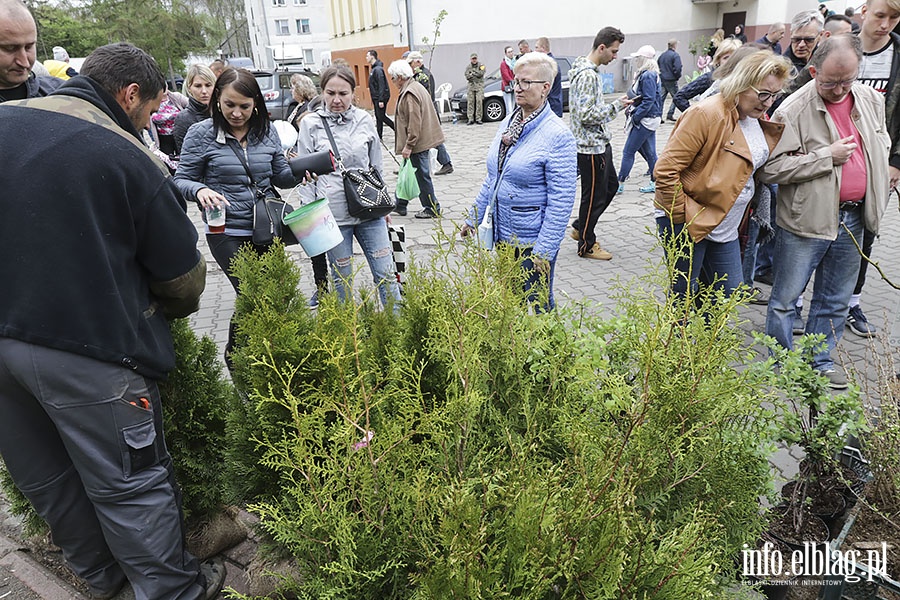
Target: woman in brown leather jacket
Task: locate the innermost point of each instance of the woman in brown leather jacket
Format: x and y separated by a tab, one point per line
704	177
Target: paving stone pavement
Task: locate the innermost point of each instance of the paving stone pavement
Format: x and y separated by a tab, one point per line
626	230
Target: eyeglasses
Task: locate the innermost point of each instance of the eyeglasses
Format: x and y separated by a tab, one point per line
830	85
808	40
524	84
765	96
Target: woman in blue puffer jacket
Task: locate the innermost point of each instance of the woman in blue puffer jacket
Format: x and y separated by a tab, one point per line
531	167
212	173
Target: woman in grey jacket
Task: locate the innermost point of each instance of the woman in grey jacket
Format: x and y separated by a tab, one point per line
358	145
212	170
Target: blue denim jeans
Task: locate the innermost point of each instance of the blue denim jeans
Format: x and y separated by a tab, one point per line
422	162
836	264
640	140
709	260
376	245
443	156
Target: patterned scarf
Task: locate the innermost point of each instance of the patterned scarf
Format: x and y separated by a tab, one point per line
514	130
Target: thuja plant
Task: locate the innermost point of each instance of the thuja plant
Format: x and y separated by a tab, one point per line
32	523
196	398
466	447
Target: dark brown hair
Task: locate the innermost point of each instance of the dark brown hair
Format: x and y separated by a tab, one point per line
341	71
245	84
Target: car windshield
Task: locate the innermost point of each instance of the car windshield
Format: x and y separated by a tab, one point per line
265	81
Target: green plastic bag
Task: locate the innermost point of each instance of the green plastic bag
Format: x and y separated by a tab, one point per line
407	186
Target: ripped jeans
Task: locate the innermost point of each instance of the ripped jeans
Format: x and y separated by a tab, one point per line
376	245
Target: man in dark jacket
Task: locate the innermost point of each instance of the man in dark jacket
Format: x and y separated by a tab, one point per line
555	97
380	92
18	38
97	258
669	74
773	36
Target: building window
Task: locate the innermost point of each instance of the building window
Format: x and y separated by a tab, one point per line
308	57
282	27
299	2
278	2
302	25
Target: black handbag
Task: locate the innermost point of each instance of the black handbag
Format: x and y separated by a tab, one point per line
268	211
365	190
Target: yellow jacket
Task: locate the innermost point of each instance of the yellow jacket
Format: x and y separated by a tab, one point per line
705	165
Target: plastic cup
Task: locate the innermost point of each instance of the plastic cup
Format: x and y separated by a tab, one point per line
215	218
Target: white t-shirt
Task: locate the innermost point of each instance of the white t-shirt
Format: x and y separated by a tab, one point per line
727	230
875	68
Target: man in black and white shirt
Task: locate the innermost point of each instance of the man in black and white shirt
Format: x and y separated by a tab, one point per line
878	69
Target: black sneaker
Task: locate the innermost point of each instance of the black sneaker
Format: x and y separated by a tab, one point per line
426	213
445	170
399	211
758	296
799	327
858	324
765	277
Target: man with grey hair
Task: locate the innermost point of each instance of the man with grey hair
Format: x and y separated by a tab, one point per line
18	39
85	337
831	165
772	39
418	131
806	28
669	73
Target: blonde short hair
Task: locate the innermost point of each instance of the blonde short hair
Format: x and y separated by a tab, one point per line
545	65
728	46
197	71
751	71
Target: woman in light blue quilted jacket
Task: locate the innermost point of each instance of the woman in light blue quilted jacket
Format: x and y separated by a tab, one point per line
531	179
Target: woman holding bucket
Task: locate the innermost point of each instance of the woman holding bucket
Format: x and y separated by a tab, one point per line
358	144
225	160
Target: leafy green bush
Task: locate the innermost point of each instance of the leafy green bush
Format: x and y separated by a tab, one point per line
467	448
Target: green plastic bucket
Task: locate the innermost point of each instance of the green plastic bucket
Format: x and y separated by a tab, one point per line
315	228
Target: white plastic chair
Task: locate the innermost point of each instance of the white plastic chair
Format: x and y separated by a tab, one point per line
442	94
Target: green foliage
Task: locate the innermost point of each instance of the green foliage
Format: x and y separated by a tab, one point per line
32	523
699	45
465	447
196	399
178	28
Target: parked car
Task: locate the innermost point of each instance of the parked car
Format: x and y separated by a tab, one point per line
276	89
494	108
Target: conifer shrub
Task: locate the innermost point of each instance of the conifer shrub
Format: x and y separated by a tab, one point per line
466	447
196	401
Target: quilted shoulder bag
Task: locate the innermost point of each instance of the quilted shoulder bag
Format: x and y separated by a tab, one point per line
269	209
365	190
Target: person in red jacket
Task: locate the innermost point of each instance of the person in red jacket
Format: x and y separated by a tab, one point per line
506	77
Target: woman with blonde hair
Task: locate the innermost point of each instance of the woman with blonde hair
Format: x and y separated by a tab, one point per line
705	175
645	118
198	87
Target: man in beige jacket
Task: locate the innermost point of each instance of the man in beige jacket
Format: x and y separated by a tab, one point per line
831	165
418	130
